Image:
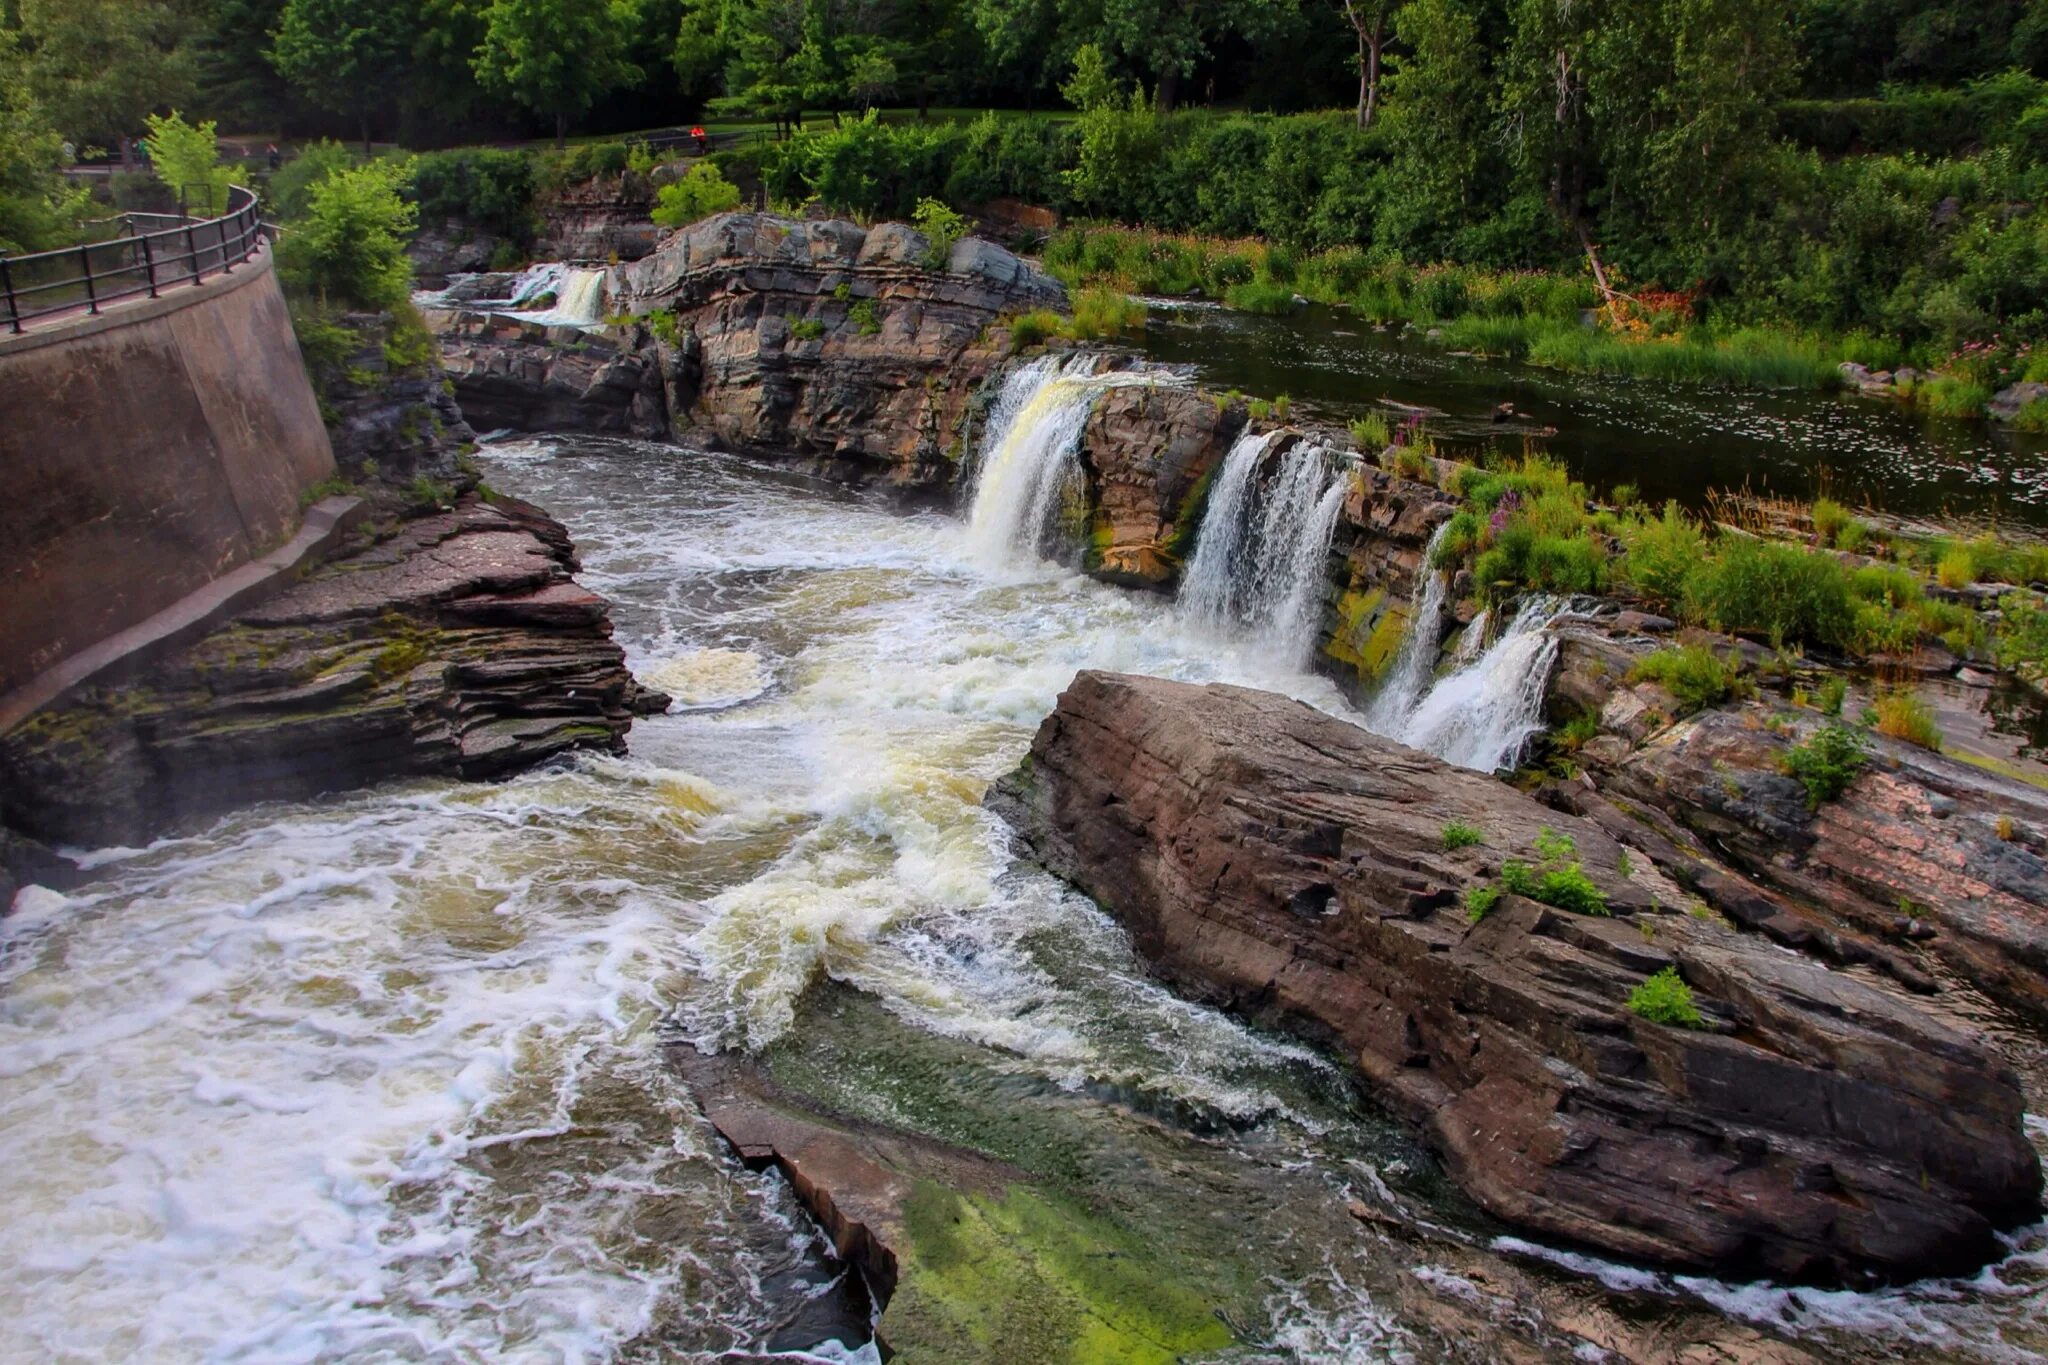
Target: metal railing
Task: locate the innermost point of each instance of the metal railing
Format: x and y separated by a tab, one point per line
157	251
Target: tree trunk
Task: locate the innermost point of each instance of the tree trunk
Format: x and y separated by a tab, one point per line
1370	98
363	127
1168	90
561	131
127	153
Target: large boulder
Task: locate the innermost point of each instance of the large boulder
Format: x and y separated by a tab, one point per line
1148	452
515	375
1275	860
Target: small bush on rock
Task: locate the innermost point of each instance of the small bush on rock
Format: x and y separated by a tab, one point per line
1457	834
1666	999
1693	674
1826	763
701	192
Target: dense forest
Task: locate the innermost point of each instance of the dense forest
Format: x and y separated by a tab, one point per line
1863	173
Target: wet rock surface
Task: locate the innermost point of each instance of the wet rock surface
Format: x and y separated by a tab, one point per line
460	646
1148	453
525	376
1280	862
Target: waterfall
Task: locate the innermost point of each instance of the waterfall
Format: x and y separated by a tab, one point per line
1259	558
579	300
1028	458
1417	660
535	280
1205	590
1482	715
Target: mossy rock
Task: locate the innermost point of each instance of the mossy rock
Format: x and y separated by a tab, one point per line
1367	633
1034	1279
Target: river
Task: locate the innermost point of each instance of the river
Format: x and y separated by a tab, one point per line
1669	440
387	1076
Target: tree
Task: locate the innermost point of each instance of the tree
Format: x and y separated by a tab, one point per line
1437	110
1167	37
187	159
98	66
701	192
556	57
1371	21
38	207
348	56
349	248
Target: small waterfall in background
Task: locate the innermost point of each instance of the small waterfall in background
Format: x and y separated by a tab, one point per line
535	280
1416	663
1481	716
1028	455
1259	559
579	300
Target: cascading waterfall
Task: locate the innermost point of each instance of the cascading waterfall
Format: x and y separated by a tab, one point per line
535	280
1028	456
1259	557
1481	716
1206	589
1412	668
579	300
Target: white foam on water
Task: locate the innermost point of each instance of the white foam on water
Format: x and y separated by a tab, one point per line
1416	662
1481	716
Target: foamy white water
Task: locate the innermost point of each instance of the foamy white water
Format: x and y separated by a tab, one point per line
1482	715
1415	664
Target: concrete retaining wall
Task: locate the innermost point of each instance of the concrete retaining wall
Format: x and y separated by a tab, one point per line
144	453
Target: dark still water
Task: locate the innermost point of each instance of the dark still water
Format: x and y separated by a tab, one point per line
1670	440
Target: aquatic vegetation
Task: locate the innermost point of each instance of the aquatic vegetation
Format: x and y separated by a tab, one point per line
1665	999
1257	296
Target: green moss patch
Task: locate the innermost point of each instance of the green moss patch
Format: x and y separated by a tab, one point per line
1367	632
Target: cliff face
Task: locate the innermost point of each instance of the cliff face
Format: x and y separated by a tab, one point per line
1273	859
819	340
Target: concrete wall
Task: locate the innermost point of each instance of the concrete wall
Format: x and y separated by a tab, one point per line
143	453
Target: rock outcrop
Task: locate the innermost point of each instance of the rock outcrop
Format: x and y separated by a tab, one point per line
1278	861
1148	454
524	376
459	646
818	340
1378	555
603	218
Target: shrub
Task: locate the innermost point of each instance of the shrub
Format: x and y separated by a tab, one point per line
805	329
187	159
1665	999
1949	397
1260	296
1826	763
1370	433
941	227
2022	631
1569	888
1662	553
1831	694
1773	589
1693	674
865	319
1957	568
702	191
1033	328
1104	313
350	246
1903	715
290	189
1457	834
1479	901
1829	517
494	190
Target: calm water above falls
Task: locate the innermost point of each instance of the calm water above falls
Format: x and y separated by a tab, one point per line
383	1076
1670	440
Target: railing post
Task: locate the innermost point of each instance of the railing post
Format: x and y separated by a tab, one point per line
148	263
92	299
13	307
192	254
220	230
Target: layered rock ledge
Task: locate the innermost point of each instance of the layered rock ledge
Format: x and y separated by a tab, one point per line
1280	862
458	646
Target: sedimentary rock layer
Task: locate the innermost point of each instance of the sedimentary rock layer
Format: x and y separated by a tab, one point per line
1280	862
459	645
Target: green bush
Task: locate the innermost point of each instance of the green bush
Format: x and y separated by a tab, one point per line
1777	590
1665	999
701	192
805	329
1662	553
867	322
290	190
1558	880
942	227
2022	631
1694	675
349	248
187	160
1903	715
1457	834
1257	296
492	190
1479	902
1826	763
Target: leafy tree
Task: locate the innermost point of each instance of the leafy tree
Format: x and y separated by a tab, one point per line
98	66
234	79
1092	86
38	208
349	248
556	57
701	192
1437	110
1167	37
348	56
1372	22
187	159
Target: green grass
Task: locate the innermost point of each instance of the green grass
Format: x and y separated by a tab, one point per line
1259	296
1457	834
1903	715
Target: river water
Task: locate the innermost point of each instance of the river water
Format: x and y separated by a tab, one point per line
386	1076
1669	440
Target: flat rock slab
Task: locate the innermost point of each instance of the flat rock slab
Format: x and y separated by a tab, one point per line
1280	862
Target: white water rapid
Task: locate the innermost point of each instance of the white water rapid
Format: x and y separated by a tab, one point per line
1482	715
1415	665
387	1076
1259	555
